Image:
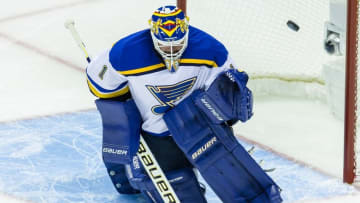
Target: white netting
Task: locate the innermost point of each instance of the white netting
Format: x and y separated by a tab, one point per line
258	38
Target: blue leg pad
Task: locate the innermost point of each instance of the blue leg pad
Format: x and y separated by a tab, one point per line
121	130
121	133
183	181
212	148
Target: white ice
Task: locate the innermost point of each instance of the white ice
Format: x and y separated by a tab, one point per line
42	74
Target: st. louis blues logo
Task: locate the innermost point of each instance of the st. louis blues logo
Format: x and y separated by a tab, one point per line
167	95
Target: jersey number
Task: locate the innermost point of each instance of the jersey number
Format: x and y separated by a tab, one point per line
102	72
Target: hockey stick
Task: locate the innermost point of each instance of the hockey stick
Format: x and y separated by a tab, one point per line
70	25
144	153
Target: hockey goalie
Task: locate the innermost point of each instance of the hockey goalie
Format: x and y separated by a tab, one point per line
178	88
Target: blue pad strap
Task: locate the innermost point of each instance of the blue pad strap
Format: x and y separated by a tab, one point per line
223	162
121	130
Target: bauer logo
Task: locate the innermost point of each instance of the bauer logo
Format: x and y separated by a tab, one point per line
211	109
157	176
114	151
230	76
204	148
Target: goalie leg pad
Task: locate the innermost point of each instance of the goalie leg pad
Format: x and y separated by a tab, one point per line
121	133
121	130
183	181
222	161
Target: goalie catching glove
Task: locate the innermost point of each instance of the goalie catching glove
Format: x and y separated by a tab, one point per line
227	99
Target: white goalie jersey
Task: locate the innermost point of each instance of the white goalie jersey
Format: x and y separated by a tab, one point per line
132	64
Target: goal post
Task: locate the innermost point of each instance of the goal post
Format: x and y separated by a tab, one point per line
350	153
182	5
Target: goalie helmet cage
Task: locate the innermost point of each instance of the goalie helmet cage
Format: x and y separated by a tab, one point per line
350	170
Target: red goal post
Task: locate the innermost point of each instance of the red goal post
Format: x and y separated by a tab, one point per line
350	154
182	5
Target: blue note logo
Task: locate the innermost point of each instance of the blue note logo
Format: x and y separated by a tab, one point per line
167	95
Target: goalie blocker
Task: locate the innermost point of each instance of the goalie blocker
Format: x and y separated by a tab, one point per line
199	125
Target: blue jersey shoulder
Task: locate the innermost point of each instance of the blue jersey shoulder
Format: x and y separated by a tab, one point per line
135	54
203	49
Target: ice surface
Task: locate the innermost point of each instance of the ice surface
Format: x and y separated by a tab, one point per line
58	159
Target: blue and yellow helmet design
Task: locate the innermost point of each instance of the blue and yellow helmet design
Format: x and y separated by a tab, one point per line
169	31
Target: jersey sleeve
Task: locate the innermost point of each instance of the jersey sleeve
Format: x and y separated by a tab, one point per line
103	80
228	64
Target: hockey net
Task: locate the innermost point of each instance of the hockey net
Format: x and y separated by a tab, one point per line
282	46
257	35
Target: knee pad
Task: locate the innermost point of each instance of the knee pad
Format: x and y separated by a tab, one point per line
183	181
222	161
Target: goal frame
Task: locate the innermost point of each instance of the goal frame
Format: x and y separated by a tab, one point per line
349	172
182	5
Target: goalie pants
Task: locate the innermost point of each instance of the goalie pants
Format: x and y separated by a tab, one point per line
167	153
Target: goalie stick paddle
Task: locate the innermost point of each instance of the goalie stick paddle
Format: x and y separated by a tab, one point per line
156	174
144	153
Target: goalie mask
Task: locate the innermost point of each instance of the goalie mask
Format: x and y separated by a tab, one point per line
169	32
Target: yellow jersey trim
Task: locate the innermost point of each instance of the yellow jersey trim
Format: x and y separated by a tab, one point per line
161	65
199	61
142	70
108	95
